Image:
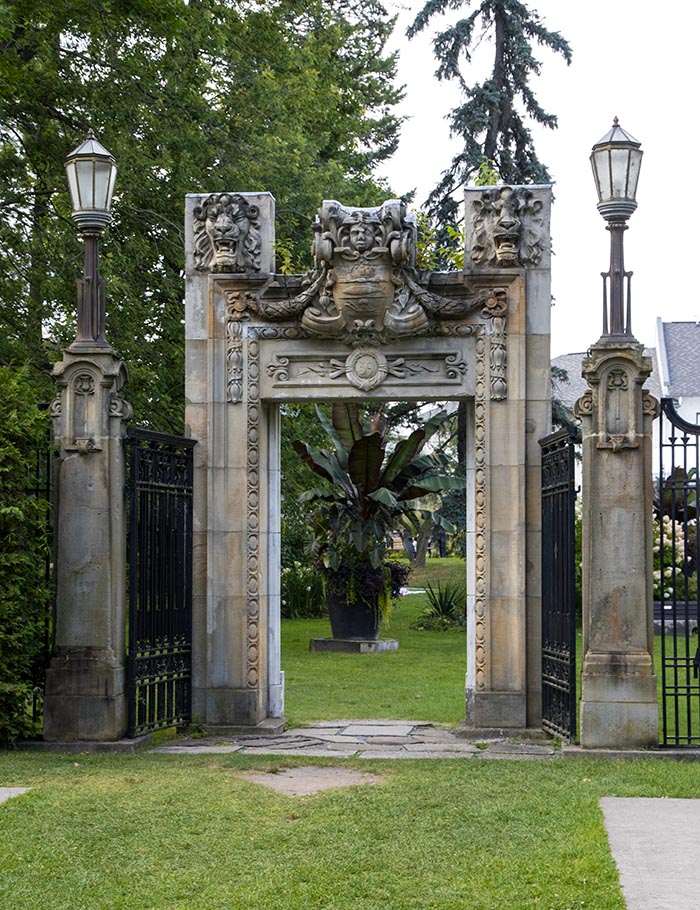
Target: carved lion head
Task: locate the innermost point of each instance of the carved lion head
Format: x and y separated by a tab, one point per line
507	228
227	234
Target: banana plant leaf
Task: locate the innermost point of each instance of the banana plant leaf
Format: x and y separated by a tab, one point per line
365	462
346	423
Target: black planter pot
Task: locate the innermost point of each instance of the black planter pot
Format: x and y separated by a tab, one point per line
352	621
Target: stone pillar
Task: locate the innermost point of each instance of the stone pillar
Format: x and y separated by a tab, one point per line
237	681
618	686
508	240
85	683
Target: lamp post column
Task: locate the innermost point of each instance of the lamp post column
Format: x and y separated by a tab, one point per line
618	686
85	684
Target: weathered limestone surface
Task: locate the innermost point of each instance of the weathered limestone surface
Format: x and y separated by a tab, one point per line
365	323
85	683
618	698
508	235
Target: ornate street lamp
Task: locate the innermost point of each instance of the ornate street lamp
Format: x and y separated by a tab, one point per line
91	171
616	160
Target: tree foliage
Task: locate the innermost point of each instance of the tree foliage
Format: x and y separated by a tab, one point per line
491	121
23	550
294	98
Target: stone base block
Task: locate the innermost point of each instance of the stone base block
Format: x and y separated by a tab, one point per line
353	645
271	726
619	725
233	708
85	698
619	712
496	710
121	746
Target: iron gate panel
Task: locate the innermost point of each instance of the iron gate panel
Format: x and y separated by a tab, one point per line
677	557
559	583
160	580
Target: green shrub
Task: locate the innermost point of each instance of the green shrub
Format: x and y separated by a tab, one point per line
24	597
303	595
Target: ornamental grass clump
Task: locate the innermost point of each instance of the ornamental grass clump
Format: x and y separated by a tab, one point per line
446	608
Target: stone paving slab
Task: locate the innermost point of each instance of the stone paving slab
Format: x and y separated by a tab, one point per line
456	747
10	792
378	738
379	730
656	845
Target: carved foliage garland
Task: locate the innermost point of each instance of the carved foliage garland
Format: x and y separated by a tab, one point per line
495	309
253	517
238	305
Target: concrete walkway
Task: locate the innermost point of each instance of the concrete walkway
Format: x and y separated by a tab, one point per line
370	739
656	845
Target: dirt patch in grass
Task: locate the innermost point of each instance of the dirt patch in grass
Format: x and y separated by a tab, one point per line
310	779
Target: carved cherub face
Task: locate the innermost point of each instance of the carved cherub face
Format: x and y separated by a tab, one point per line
361	237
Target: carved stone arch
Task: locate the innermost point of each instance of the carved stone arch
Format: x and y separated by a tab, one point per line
364	323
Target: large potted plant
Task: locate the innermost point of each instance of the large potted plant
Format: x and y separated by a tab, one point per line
370	490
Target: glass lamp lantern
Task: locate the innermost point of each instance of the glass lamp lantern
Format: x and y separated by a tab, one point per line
616	160
91	171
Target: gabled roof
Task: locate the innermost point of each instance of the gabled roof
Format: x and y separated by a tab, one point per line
678	344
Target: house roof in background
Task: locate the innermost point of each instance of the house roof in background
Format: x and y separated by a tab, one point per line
569	392
682	350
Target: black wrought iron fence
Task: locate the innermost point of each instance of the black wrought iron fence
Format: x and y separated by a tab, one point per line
160	580
676	564
559	583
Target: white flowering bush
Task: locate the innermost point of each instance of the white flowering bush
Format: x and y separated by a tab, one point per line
303	596
674	559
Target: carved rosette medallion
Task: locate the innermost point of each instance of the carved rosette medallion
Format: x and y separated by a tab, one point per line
507	228
366	368
480	556
227	234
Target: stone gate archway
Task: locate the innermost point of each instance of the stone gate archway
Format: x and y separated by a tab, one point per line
364	324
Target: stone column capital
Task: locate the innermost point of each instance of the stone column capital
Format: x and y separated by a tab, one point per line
615	408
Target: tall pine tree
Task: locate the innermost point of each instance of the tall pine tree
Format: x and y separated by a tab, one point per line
491	121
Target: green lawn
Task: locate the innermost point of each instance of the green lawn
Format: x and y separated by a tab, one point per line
157	832
168	832
423	680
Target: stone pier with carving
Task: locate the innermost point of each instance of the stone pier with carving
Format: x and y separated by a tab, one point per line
364	324
85	695
618	686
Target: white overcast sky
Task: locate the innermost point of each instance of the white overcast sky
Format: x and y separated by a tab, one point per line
631	58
